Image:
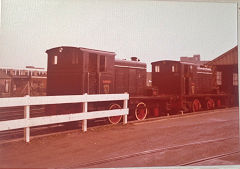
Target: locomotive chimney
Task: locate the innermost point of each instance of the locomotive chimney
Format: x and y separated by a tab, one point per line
135	59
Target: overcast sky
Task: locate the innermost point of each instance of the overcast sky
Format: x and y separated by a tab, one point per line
149	30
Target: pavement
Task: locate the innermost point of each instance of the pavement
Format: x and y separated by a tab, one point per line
179	140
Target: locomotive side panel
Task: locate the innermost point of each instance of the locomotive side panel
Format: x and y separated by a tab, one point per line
196	80
121	80
130	76
202	80
141	81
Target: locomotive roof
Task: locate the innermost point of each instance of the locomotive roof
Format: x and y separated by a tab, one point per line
83	49
165	61
174	61
130	64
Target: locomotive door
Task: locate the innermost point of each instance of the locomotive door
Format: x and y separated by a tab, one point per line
186	83
186	79
92	74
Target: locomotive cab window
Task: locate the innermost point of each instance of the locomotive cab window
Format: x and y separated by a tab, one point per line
102	63
157	68
187	69
174	68
92	64
55	60
74	59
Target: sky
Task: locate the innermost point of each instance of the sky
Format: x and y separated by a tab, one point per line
147	29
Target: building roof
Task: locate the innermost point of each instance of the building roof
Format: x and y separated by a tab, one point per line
228	58
3	75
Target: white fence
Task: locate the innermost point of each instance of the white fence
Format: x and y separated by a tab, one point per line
28	122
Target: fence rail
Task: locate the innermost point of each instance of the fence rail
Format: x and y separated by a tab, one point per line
28	122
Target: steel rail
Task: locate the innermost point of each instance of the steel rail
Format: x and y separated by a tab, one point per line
93	163
209	158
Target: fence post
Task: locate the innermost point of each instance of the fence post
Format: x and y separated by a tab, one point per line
84	122
27	116
125	106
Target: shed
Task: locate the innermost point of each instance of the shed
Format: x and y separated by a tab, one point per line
225	68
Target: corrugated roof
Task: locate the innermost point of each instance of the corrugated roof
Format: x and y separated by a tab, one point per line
228	58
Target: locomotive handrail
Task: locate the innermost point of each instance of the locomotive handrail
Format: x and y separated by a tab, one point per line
28	122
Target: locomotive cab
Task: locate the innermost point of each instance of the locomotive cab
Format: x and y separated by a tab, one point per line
177	78
77	71
166	77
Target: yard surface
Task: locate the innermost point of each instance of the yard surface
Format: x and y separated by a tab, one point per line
207	138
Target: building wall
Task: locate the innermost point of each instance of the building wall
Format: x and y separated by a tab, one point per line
225	68
20	82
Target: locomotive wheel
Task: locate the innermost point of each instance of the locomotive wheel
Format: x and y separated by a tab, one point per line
196	105
141	111
114	119
210	104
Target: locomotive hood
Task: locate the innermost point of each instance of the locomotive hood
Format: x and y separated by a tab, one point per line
130	64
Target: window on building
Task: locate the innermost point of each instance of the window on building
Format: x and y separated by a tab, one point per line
157	68
55	60
6	86
219	78
235	79
102	63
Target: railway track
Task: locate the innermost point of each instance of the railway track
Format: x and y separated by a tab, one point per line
210	158
161	150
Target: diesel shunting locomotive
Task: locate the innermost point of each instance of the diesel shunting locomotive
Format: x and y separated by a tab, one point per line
176	86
